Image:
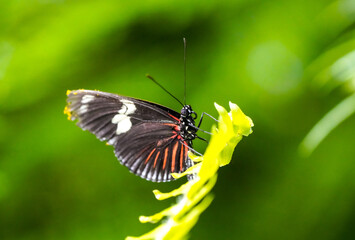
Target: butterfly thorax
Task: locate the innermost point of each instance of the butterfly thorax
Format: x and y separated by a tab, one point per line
187	124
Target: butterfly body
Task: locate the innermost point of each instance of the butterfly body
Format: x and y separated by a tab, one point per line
148	138
187	124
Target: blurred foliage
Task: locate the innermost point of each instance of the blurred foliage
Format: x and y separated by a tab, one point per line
288	64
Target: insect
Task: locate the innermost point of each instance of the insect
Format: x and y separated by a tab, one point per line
148	138
151	140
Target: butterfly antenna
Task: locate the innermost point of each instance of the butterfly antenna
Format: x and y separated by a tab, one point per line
184	39
151	78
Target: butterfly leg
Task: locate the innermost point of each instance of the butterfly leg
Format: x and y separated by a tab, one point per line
204	113
201	138
199	123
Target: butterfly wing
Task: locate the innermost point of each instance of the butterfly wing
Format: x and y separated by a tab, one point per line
154	150
145	135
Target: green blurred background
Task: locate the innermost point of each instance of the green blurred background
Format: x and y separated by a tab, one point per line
287	64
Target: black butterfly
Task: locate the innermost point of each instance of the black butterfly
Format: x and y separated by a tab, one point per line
150	139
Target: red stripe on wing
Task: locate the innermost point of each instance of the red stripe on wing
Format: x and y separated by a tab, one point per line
182	157
150	154
175	126
174	155
174	117
165	157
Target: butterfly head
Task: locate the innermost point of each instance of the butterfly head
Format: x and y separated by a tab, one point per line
187	112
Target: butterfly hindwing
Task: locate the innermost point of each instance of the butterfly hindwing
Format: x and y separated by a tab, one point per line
153	151
145	135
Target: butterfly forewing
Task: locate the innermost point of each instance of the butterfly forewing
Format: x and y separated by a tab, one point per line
145	135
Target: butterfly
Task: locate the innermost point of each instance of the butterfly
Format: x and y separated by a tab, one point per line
151	140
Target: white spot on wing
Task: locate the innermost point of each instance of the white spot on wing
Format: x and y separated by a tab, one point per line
149	176
87	98
83	109
144	173
124	125
117	118
122	120
111	141
128	107
134	166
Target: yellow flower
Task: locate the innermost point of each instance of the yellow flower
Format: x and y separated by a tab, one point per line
195	196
